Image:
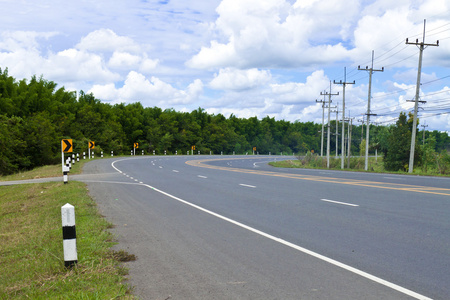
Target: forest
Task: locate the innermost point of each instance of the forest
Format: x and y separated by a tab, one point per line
35	116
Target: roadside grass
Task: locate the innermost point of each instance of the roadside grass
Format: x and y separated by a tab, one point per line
31	251
317	162
357	164
44	172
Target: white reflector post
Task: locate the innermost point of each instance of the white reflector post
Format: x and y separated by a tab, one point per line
69	235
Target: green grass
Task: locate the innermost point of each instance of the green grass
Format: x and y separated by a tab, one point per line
44	172
356	164
317	162
31	251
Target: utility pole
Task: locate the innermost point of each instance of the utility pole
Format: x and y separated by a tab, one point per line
423	139
371	70
416	105
362	128
328	132
343	111
337	132
323	119
349	147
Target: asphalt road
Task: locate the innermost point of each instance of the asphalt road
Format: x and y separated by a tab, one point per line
236	228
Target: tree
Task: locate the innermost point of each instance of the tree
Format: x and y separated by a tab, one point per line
396	155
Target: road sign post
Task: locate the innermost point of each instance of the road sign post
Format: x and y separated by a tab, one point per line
91	146
66	146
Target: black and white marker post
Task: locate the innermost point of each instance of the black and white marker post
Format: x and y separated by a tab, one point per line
65	176
69	235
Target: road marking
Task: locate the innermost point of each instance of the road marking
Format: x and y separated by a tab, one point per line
371	184
160	167
247	185
337	202
176	171
294	246
201	176
301	249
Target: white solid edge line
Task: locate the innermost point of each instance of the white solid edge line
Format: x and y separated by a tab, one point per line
337	202
296	247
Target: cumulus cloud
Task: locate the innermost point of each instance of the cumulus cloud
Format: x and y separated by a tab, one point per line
75	65
12	41
238	80
150	92
277	34
106	40
297	92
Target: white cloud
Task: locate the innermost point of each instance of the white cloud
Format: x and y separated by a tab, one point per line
75	65
123	60
150	92
105	92
106	40
276	34
12	41
295	92
238	80
148	65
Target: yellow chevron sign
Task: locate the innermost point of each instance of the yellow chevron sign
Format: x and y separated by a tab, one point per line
67	145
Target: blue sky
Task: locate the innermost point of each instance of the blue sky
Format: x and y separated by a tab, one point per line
247	58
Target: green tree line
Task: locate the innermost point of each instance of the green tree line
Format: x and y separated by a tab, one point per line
35	116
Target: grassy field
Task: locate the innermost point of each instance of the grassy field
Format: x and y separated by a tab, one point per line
31	251
356	164
317	162
43	172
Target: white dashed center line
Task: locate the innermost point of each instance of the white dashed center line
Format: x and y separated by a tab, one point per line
247	185
337	202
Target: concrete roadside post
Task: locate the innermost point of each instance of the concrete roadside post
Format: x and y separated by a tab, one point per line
65	176
69	235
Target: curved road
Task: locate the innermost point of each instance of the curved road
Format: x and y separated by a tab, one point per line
232	227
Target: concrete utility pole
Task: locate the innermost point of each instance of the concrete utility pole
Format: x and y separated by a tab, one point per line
416	105
362	128
328	132
323	119
337	132
423	139
349	147
371	70
343	111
